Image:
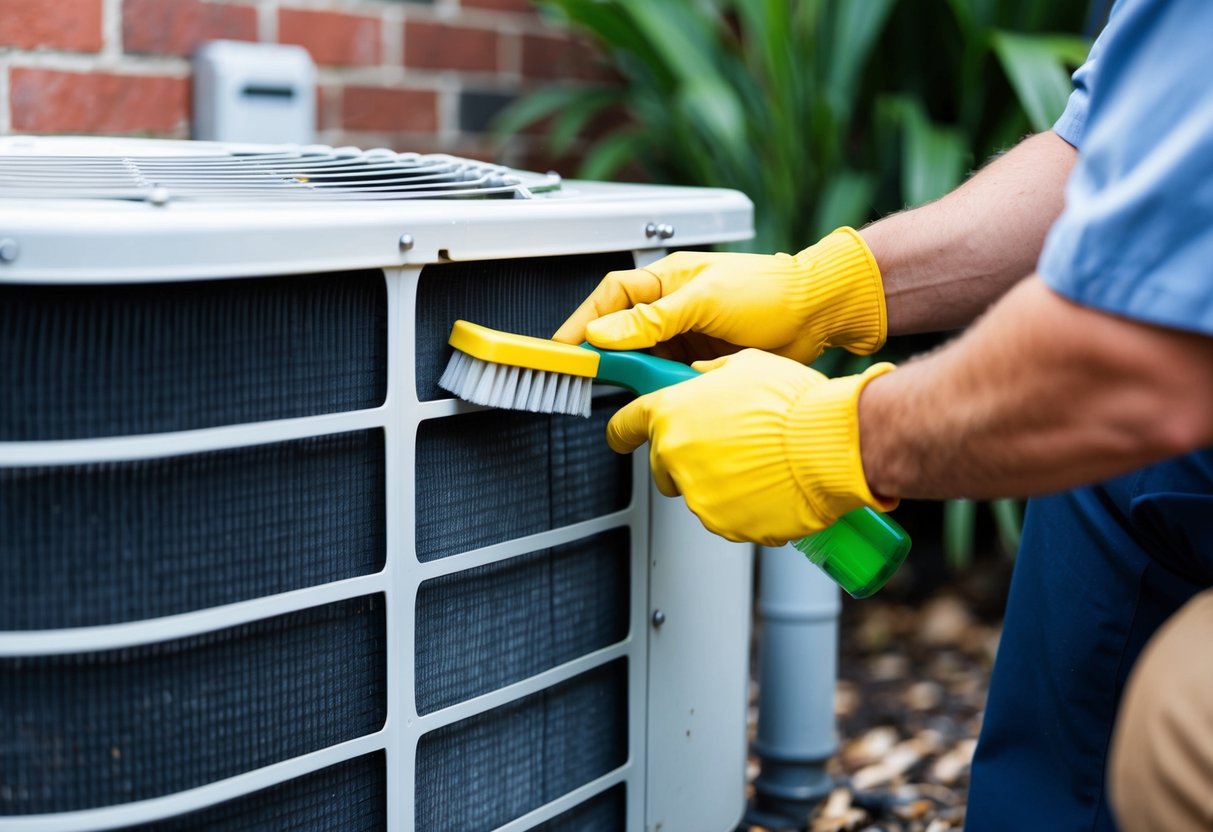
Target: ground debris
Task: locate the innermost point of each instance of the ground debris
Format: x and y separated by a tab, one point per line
946	622
836	814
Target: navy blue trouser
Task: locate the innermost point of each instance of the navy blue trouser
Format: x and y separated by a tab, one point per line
1098	570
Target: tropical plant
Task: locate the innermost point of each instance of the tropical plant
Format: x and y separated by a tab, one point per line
824	112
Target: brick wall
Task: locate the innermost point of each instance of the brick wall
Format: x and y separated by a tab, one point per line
425	75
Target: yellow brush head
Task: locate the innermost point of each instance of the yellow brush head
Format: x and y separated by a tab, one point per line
522	350
516	372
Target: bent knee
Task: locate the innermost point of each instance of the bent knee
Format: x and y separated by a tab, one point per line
1161	766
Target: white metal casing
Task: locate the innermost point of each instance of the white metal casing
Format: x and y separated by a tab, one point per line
687	681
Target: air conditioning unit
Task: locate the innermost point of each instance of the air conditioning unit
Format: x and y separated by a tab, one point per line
258	572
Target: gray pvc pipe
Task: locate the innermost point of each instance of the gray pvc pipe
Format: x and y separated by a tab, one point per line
798	607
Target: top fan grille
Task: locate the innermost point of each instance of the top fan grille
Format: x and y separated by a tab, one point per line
305	174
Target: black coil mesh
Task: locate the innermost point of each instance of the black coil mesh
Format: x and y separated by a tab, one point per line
347	797
105	728
82	545
96	729
85	361
497	624
491	768
491	476
605	813
525	296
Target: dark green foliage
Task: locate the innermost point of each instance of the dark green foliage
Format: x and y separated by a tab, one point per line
825	112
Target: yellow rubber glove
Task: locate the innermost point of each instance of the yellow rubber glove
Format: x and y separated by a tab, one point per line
762	448
704	305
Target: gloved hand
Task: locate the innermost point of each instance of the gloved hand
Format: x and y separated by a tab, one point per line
762	448
829	295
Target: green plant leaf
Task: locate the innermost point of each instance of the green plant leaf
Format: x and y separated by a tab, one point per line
856	26
845	199
610	25
1070	50
775	97
611	153
1008	523
573	118
1007	132
768	39
974	15
713	108
1035	67
933	157
681	34
608	22
959	518
524	112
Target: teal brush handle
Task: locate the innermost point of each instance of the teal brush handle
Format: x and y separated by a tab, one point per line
860	552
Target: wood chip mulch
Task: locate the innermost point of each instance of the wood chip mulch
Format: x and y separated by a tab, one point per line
909	700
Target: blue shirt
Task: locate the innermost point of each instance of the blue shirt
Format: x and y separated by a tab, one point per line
1136	235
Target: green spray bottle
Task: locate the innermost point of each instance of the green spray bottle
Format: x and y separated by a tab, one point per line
861	551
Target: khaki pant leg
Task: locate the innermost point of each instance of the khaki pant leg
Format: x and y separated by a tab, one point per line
1161	767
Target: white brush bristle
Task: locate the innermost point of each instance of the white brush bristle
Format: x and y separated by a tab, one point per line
516	388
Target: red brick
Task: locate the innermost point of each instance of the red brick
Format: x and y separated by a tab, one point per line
555	56
500	5
385	109
62	24
49	101
441	46
177	27
333	38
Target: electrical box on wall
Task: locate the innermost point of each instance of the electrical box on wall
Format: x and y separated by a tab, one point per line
254	92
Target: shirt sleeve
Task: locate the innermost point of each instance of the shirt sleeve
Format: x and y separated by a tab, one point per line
1136	236
1074	118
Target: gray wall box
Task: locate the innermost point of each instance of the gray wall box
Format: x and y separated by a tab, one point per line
254	92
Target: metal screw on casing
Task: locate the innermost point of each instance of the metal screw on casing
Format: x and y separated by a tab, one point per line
159	196
663	231
407	242
9	250
658	618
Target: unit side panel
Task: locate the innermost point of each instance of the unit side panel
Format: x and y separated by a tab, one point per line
700	590
527	579
698	672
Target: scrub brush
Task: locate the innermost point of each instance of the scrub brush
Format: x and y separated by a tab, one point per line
516	372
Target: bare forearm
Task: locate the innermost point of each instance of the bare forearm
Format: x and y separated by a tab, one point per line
1040	395
945	262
